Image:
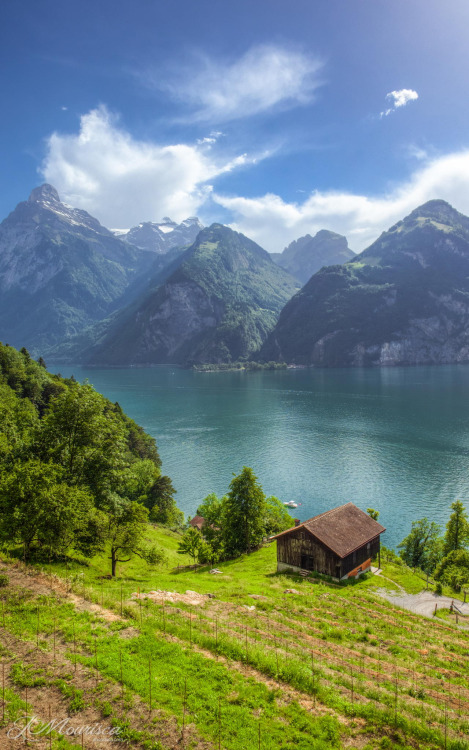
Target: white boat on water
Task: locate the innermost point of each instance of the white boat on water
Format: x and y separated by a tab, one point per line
291	504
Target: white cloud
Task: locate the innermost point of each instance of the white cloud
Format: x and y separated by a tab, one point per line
123	181
274	223
264	78
399	99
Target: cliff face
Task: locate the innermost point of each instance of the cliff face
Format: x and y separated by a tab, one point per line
218	304
403	301
305	256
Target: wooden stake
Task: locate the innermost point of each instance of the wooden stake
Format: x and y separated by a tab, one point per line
54	636
121	600
190	627
216	637
3	692
276	654
164	619
74	647
37	629
50	729
122	681
96	656
219	723
351	675
184	710
395	703
102	593
247	652
149	679
3	612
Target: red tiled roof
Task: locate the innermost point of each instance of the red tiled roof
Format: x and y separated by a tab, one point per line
342	530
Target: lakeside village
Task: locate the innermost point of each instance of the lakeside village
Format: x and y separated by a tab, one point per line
240	628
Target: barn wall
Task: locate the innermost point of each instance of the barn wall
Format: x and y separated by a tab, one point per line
360	556
299	549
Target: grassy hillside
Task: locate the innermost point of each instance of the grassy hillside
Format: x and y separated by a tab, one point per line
327	667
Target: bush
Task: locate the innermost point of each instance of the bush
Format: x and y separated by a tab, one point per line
4	580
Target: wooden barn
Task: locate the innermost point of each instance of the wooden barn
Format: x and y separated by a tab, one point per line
340	543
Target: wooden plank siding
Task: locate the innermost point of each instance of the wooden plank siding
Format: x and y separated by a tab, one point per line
299	549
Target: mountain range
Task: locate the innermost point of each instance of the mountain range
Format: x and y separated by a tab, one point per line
163	236
163	292
216	304
402	301
61	270
303	257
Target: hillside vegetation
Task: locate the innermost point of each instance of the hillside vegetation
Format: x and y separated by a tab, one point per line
324	667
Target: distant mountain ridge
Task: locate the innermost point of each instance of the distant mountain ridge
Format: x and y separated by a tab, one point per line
160	237
403	301
218	304
306	255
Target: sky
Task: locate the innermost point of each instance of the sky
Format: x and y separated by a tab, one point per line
276	118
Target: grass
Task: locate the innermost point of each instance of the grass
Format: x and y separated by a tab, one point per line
316	669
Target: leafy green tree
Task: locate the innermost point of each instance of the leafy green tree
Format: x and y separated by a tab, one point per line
191	544
18	422
454	569
374	514
422	548
81	433
37	508
122	529
276	517
162	503
244	514
138	479
457	529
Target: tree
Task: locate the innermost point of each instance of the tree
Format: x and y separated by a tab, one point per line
244	513
123	528
454	569
37	508
276	517
422	548
83	434
191	543
374	514
457	529
162	503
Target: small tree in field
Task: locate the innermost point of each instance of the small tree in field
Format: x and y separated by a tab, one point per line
244	513
123	528
191	543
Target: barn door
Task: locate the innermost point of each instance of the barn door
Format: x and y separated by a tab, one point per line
307	562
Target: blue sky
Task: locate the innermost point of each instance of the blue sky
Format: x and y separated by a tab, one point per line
279	118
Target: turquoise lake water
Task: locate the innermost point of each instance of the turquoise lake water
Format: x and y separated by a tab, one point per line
393	439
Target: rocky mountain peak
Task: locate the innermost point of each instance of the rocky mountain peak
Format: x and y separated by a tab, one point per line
437	210
44	193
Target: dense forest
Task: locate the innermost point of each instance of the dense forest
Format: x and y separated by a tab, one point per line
75	471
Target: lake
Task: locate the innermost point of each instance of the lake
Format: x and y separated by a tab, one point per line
395	439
